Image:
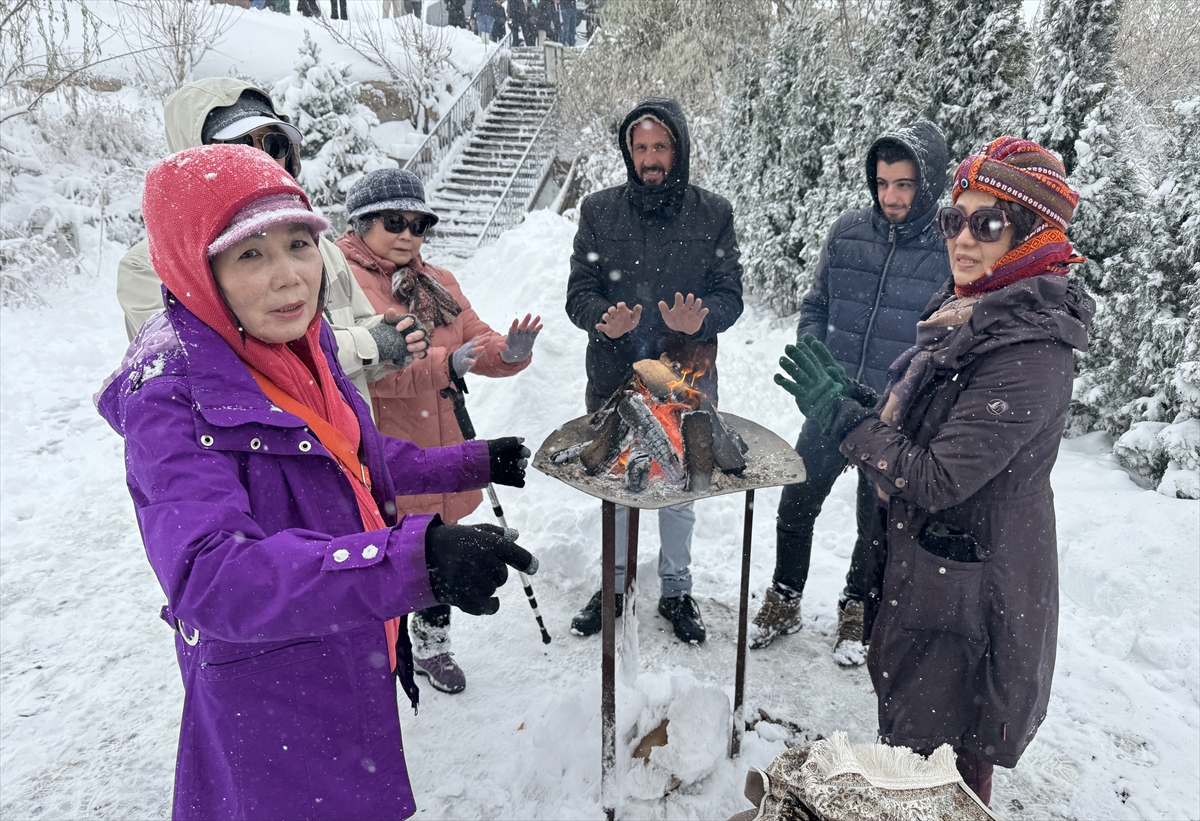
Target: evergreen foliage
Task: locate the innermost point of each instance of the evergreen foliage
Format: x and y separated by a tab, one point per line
1074	70
322	100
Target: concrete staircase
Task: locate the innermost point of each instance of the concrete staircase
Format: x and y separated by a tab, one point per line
467	194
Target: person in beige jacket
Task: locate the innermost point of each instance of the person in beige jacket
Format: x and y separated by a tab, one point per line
225	109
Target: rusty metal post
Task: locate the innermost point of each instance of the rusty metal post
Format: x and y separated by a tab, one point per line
739	682
631	549
608	634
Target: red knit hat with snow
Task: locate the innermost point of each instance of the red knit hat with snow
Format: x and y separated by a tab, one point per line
203	200
1022	172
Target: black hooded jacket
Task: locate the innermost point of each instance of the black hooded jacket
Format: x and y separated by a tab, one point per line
874	278
640	244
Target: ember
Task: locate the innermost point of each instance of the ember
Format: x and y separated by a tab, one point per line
658	426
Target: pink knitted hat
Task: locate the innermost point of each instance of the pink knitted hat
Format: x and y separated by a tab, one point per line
263	213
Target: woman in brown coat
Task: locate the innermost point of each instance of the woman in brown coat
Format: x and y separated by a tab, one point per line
388	219
965	596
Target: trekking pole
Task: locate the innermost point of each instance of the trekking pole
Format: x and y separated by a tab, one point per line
468	431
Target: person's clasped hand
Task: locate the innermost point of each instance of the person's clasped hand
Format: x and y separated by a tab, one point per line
400	338
467	565
520	339
462	360
507	459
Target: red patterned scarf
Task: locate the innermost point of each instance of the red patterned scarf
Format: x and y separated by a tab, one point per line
1047	252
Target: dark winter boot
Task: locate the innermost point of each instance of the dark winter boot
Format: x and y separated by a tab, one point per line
587	621
779	616
432	657
684	615
849	650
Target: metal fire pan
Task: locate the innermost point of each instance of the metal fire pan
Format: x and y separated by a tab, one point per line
770	461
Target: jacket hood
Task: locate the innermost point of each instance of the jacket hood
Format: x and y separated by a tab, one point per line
668	112
1038	308
926	146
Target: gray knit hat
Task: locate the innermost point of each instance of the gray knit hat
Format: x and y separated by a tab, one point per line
388	189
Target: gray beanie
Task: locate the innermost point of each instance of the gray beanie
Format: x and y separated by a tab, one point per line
388	189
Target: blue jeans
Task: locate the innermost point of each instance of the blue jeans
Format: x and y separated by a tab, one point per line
568	19
483	24
675	551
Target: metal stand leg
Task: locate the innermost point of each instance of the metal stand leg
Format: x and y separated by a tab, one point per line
631	549
739	684
608	633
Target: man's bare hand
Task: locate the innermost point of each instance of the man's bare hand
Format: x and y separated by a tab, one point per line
685	316
417	339
619	320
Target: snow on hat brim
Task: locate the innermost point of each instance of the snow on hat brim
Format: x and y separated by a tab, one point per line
258	216
242	127
1023	172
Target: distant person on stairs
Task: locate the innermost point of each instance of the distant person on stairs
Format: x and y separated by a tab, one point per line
388	222
655	271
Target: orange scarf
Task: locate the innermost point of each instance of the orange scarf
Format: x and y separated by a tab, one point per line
346	455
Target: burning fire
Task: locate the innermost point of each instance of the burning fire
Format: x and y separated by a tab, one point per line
669	414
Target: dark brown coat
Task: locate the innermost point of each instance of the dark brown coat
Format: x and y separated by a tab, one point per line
962	652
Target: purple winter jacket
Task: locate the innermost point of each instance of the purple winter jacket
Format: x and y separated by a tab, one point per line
277	595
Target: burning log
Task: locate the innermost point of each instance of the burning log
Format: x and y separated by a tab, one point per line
729	451
634	411
637	471
697	429
606	448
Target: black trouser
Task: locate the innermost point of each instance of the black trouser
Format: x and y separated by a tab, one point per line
800	505
333	9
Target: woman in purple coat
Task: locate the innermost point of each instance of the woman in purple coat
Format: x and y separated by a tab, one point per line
264	495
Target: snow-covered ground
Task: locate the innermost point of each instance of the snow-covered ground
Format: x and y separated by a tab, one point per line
91	695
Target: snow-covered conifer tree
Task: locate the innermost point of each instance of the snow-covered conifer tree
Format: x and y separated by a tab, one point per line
1074	70
975	86
771	156
322	100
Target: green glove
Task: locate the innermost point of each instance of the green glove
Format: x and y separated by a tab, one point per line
860	393
818	395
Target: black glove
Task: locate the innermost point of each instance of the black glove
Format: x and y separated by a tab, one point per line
508	457
467	564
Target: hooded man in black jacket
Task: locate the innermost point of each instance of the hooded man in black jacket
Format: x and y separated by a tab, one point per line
877	271
655	270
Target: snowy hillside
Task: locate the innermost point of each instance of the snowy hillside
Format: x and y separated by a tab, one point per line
91	695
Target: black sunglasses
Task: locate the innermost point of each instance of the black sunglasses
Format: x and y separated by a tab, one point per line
395	223
986	224
275	144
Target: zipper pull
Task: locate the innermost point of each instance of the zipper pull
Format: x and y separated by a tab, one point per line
892	234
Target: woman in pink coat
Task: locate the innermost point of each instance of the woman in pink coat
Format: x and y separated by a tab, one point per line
388	220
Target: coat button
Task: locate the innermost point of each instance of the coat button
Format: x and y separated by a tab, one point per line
900	483
899	525
893	602
206	440
885	675
881	464
942	570
850	446
341	555
864	456
305	446
255	443
370	551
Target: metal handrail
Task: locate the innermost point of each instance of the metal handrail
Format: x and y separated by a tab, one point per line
460	119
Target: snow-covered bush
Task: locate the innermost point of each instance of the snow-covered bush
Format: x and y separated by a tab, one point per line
167	39
28	263
321	98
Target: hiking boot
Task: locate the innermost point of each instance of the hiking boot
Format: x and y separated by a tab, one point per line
684	615
849	650
432	657
779	616
442	671
587	621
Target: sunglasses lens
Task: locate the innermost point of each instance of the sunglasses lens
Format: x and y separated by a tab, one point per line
987	224
394	223
950	222
419	226
277	145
